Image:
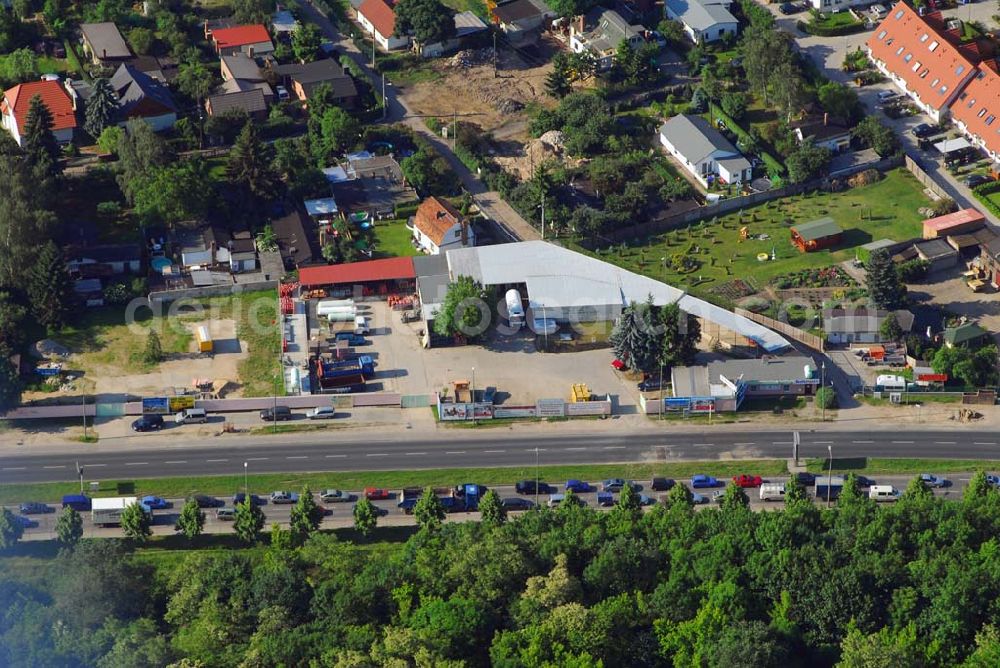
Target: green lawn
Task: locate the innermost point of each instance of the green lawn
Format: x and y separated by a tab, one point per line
837	20
886	466
887	209
477	7
392	239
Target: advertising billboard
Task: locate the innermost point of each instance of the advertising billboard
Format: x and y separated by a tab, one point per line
155	406
177	404
514	412
550	408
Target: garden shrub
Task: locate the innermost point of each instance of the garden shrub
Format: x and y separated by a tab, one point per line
865	178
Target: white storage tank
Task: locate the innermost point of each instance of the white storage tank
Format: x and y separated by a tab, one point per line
515	311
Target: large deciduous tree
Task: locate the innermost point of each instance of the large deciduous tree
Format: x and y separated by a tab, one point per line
306	42
136	522
428	510
249	521
191	521
429	21
491	510
465	309
365	516
306	516
10	529
69	527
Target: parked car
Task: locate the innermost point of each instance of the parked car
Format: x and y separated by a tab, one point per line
255	500
155	502
528	487
662	484
25	522
746	481
887	95
276	414
878	11
649	385
975	180
788	8
993	480
148	423
578	486
698	499
924	130
282	93
377	493
407	505
35	508
933	480
805	478
719	495
517	503
618	365
225	514
204	501
351	338
321	413
864	481
336	496
646	500
284	497
615	484
78	502
701	480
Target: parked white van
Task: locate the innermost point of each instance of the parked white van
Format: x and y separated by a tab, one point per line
189	415
883	493
361	325
772	491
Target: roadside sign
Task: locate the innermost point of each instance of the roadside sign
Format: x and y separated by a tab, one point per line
550	408
155	406
177	404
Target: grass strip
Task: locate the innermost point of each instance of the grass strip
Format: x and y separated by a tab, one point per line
893	466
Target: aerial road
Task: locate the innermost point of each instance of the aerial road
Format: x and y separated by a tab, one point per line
487	448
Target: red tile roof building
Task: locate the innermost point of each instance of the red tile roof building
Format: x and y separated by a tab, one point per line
357	273
437	226
254	37
921	56
378	18
17	101
976	110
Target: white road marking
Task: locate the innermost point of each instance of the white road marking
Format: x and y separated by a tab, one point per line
336	456
944	442
415	454
964	479
257	459
297	457
53	467
536	449
903	442
177	461
138	463
699	445
13	468
744	443
574	448
822	442
90	466
984	443
781	442
614	447
455	452
492	452
377	454
862	441
216	460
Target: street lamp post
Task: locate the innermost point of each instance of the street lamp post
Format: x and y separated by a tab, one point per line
473	395
822	384
829	474
246	483
536	476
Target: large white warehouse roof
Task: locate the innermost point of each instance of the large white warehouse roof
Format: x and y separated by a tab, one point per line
560	278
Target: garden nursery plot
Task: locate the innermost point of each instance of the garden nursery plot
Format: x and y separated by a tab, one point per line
713	260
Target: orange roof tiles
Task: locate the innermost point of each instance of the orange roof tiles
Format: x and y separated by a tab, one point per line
381	15
435	217
913	49
978	106
232	38
53	96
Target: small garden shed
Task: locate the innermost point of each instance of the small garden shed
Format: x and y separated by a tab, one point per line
817	235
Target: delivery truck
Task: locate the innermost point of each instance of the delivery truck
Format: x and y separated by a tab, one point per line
204	339
828	487
108	512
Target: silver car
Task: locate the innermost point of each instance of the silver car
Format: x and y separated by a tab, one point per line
336	496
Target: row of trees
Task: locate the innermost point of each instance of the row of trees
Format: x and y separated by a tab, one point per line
907	584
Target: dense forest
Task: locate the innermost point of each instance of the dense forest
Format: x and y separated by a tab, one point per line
915	583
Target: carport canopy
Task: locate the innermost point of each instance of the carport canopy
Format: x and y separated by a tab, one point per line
951	145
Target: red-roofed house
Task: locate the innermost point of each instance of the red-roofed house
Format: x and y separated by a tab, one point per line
378	18
17	100
915	52
976	109
252	40
438	226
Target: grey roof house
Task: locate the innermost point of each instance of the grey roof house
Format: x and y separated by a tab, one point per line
522	21
600	31
861	324
251	101
703	20
703	151
142	96
104	43
302	79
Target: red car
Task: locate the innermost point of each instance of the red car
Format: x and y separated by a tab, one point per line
618	365
745	480
377	493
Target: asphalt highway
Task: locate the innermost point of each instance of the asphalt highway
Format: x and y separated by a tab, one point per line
486	448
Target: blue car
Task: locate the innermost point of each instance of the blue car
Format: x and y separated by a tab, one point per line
701	480
155	503
578	486
25	522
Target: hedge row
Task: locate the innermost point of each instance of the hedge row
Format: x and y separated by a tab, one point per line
981	193
774	166
820	30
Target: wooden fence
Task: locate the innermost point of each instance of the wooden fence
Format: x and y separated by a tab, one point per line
805	338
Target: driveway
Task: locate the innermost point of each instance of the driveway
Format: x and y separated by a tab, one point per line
490	203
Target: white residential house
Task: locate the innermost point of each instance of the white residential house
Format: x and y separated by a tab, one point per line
703	151
704	21
378	19
600	32
438	226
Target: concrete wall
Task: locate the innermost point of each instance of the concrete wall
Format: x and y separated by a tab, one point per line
166	296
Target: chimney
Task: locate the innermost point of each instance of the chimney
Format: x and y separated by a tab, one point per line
578	23
250	51
104	54
826	119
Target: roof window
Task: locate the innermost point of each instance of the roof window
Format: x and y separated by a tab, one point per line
924	38
933	45
882	34
900	50
908	57
990	119
982	112
935	83
923	75
959	69
944	89
917	65
972	103
899	14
